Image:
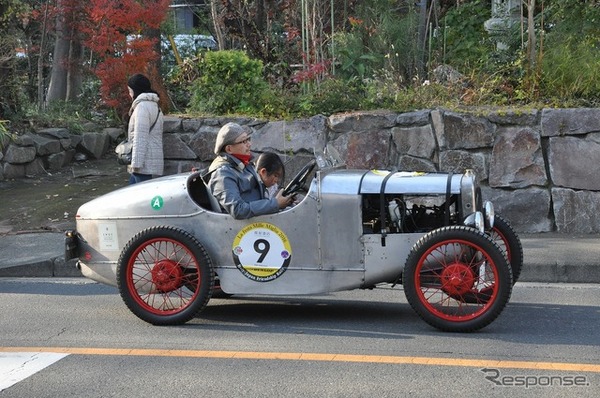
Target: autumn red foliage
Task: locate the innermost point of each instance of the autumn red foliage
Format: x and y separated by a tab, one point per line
312	72
113	31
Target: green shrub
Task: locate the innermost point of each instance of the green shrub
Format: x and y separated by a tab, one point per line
333	95
570	61
381	37
229	82
431	96
382	90
463	41
5	135
571	70
70	115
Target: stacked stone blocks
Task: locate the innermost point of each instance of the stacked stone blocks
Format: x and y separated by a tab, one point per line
539	167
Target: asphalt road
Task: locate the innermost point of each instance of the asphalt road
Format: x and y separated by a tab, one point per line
349	344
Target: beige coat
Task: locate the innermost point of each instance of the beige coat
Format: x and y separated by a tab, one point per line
147	156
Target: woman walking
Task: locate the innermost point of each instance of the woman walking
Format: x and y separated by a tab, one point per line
145	131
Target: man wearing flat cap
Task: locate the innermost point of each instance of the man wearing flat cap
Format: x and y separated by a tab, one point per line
234	181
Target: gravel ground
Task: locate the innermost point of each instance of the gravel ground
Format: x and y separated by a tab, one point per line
49	202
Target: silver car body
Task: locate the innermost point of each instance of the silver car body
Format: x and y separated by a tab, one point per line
320	245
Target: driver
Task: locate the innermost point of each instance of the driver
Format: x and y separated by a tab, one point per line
234	181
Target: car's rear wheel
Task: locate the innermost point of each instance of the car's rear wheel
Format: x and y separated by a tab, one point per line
165	276
457	279
504	235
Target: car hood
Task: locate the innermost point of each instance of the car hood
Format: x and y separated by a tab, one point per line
351	182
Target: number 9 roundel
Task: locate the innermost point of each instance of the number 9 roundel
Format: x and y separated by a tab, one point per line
261	251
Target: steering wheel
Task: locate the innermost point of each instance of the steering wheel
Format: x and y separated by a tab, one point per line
299	179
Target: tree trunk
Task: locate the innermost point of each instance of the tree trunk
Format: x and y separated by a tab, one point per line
216	19
531	39
66	77
260	19
74	73
40	63
422	37
57	89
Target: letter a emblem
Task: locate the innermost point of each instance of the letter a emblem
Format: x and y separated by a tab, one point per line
157	202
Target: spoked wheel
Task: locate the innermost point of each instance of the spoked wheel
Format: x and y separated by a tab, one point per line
504	235
457	279
165	276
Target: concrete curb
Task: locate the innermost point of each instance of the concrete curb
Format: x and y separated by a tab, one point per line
36	254
561	258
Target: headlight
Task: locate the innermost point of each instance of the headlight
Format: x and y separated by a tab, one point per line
475	220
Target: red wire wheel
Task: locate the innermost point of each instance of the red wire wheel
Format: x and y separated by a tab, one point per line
165	276
505	236
457	279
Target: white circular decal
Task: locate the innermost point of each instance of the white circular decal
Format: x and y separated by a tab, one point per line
261	251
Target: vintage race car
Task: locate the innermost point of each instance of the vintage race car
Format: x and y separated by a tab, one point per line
168	247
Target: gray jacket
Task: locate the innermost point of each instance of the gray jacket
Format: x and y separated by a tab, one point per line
238	188
147	154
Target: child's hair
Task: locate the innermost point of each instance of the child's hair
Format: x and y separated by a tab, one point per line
272	163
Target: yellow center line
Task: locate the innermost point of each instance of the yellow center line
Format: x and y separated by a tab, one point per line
299	356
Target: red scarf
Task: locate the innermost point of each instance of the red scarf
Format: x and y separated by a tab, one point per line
244	158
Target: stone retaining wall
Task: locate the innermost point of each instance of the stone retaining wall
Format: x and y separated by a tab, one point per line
538	167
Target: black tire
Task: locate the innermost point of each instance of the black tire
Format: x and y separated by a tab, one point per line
457	279
504	235
165	276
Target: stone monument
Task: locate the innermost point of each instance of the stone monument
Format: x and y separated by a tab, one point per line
505	14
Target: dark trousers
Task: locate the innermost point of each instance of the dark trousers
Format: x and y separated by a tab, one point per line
137	177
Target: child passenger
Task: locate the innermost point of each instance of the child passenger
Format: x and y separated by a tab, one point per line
271	170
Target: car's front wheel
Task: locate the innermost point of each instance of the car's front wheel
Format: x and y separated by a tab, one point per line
505	236
165	276
457	279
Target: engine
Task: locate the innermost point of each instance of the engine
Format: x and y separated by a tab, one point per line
407	214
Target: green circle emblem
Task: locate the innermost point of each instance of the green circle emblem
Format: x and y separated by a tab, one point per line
157	202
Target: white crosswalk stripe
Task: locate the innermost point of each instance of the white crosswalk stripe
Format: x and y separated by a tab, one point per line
16	366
